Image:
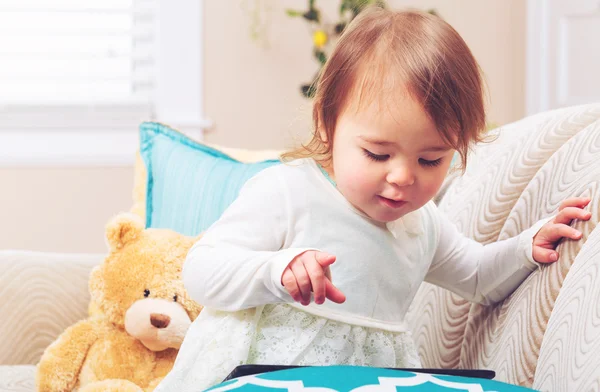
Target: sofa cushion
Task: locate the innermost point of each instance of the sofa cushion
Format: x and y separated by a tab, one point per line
42	294
568	359
17	378
509	184
526	179
189	184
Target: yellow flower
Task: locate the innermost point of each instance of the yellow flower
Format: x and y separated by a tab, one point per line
319	38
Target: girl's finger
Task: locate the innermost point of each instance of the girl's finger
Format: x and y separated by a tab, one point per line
289	282
324	259
574	202
303	281
333	293
566	215
559	231
544	255
327	272
317	280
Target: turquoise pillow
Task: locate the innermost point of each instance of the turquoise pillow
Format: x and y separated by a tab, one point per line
189	185
355	378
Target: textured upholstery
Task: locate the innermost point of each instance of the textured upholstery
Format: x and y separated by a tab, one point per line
547	334
41	295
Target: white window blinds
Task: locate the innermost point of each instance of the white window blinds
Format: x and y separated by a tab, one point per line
75	63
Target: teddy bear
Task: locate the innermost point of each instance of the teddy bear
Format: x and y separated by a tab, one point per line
139	314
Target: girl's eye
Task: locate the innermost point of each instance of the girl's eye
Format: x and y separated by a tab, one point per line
375	157
425	162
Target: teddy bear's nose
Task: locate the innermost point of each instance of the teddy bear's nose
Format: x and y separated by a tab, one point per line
160	320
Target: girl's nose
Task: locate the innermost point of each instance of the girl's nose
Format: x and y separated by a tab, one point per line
401	176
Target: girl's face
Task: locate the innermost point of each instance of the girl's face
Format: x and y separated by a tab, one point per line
388	164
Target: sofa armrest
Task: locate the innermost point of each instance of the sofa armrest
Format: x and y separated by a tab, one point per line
41	294
568	358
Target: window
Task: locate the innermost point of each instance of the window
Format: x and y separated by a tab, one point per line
77	77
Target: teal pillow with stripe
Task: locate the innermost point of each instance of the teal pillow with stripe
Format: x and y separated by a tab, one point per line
189	184
361	378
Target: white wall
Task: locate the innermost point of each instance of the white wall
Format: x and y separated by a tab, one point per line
252	95
60	209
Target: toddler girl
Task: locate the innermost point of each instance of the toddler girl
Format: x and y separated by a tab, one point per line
318	260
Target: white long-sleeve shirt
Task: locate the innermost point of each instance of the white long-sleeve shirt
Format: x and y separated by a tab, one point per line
290	208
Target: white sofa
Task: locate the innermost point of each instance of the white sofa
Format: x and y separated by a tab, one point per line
545	336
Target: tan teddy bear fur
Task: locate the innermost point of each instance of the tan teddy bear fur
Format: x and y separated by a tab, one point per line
139	315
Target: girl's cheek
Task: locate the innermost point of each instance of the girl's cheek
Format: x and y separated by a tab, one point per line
361	180
432	185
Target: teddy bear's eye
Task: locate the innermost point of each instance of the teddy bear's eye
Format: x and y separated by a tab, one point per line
146	293
175	298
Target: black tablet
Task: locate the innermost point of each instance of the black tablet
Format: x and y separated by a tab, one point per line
248	370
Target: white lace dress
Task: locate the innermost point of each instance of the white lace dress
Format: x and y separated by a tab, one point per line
280	334
237	267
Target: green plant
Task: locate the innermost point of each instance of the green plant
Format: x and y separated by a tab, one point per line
324	33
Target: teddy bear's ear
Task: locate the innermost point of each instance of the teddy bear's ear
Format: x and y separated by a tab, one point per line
123	228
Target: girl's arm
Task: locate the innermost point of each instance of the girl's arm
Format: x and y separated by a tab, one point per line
484	274
239	261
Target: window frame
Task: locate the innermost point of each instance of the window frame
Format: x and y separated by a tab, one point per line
45	138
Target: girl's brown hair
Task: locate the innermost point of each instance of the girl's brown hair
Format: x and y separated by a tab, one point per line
383	52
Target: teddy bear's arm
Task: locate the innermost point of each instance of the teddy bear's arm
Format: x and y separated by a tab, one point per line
61	362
